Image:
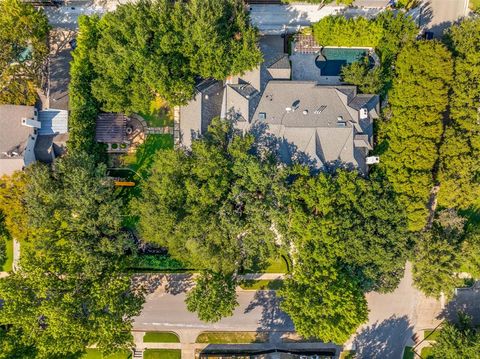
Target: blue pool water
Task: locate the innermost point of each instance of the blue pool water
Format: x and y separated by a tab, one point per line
331	60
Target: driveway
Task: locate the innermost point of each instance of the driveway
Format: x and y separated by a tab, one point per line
437	15
391	321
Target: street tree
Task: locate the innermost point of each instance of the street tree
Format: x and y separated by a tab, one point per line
70	291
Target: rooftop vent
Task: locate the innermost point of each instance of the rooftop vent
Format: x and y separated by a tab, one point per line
340	119
288	109
262	116
295	104
305	112
341	124
320	109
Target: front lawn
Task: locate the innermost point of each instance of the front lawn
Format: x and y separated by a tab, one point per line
160	337
475	5
261	284
7	266
426	352
162	354
97	354
232	337
430	334
279	264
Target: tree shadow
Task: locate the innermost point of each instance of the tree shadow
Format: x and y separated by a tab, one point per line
272	319
467	301
382	339
173	283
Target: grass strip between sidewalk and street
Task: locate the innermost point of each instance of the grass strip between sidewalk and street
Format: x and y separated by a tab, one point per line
161	337
232	337
162	354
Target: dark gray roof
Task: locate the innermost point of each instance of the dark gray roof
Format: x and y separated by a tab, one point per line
364	101
111	127
281	62
48	147
245	90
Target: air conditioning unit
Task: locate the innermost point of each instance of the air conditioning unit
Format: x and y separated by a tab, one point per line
372	160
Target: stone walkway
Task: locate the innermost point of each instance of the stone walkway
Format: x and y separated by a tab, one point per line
159	130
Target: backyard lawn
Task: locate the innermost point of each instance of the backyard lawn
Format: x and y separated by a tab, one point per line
162	354
160	114
261	284
432	335
142	159
96	354
160	337
475	5
7	266
232	337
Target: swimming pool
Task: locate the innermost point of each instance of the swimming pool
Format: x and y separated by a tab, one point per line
331	59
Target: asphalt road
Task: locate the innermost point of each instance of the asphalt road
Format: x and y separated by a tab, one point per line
165	310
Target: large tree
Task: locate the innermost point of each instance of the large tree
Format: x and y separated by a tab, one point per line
23	44
70	292
412	129
348	236
457	340
460	151
160	47
438	255
213	207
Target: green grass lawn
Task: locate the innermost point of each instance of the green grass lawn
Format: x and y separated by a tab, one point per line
160	337
276	265
426	352
7	266
475	5
261	284
162	354
232	337
432	335
142	159
160	114
97	354
408	353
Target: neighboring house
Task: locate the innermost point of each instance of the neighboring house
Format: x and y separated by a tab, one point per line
25	138
302	121
198	113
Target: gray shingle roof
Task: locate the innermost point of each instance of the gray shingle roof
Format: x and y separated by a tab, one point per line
14	135
281	62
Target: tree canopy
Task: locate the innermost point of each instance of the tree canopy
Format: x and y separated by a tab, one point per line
349	235
460	152
161	47
411	132
212	207
23	40
70	291
457	340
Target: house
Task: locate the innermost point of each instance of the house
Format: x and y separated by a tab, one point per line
302	121
28	135
196	116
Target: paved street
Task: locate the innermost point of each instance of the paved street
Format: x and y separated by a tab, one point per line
437	15
165	310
